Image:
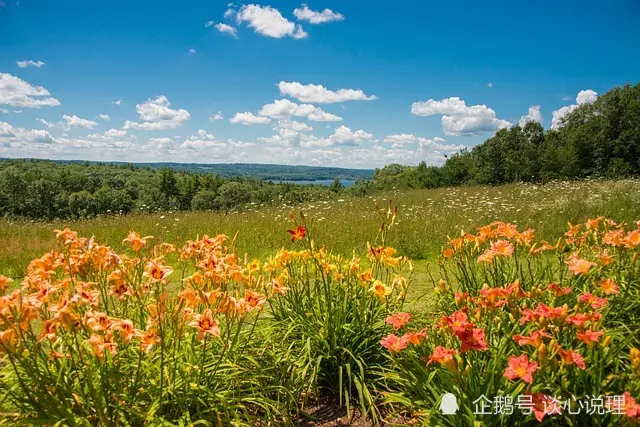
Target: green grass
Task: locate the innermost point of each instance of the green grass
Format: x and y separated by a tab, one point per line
426	218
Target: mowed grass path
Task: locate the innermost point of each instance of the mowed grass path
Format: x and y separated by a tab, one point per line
426	218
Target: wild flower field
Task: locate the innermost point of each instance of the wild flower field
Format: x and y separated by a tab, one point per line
533	312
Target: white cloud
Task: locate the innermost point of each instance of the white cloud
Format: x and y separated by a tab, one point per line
345	136
294	125
217	116
202	139
11	135
283	108
458	118
104	117
584	97
227	29
400	140
192	51
76	122
117	102
315	17
115	133
248	118
70	122
18	93
533	115
156	115
489	84
321	95
25	64
269	22
4	111
206	25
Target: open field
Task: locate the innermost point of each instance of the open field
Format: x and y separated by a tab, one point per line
152	334
426	218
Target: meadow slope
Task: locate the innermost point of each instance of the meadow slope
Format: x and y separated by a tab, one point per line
426	218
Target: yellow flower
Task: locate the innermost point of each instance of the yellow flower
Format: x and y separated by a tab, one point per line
380	289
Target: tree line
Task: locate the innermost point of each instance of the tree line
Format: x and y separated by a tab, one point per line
595	140
42	189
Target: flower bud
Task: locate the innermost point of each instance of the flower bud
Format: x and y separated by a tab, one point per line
634	354
512	318
607	341
542	353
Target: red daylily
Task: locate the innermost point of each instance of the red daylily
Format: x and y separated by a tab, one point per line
520	368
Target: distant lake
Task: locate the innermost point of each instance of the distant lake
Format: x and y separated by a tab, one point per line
326	182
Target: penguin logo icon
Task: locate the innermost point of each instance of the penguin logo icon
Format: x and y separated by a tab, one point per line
448	404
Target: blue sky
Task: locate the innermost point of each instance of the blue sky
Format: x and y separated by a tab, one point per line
343	83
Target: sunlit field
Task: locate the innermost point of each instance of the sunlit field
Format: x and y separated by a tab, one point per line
377	312
425	219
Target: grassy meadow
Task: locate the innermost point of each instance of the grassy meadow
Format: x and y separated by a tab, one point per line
195	332
425	219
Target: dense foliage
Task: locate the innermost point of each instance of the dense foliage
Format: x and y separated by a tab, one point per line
599	139
47	190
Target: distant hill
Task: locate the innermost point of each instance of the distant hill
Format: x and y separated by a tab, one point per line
265	172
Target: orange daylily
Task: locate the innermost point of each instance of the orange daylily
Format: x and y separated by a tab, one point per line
444	357
394	343
298	234
205	323
137	242
589	337
609	287
380	290
398	320
157	272
579	266
570	357
520	368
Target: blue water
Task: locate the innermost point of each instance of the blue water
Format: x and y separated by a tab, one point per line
326	182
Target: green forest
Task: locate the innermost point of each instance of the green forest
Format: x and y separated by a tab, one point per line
597	140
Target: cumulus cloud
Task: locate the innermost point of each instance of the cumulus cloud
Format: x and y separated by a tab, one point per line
283	108
436	143
458	118
17	93
227	29
248	118
217	116
192	51
200	140
345	136
25	64
10	135
584	97
70	122
117	102
315	17
156	115
104	117
294	125
342	136
533	115
117	133
269	22
76	122
318	94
